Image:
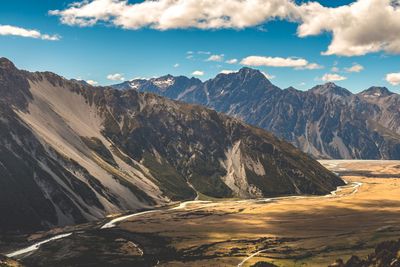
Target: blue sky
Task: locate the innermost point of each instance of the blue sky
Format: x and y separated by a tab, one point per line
94	52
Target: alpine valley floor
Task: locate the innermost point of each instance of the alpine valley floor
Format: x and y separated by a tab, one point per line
286	231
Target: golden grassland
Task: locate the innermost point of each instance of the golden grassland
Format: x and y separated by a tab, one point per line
305	231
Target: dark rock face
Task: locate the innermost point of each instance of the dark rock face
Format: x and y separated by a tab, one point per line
386	254
326	122
14	89
71	153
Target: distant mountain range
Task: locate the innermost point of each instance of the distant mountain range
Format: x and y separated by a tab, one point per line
326	121
72	153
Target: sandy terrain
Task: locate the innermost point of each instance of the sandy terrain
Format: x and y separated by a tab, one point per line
303	231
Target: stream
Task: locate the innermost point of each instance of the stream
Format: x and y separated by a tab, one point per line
113	222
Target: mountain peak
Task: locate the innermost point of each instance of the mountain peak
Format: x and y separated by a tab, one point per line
331	89
14	86
5	63
291	88
247	73
376	91
164	77
247	70
244	80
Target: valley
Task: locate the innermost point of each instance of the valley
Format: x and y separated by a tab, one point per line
200	133
72	153
285	231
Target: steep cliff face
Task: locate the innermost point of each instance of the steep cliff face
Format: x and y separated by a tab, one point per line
326	121
52	168
71	153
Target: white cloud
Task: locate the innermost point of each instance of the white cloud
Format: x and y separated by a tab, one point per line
232	61
168	14
22	32
298	63
257	61
268	76
91	82
333	77
198	73
355	68
393	78
176	65
361	27
216	58
228	71
204	52
116	77
312	66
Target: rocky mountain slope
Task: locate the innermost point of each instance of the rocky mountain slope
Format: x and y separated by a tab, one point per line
71	153
326	121
386	254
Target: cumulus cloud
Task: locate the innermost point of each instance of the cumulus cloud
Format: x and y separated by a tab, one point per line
298	63
227	71
257	61
361	27
176	65
116	77
198	73
355	68
393	78
91	82
232	61
312	66
22	32
333	77
174	14
216	58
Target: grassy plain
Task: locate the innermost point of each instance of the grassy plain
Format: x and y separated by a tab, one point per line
293	231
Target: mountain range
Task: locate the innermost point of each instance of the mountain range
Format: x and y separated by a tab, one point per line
327	121
72	153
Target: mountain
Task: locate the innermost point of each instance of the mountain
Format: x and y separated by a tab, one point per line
327	121
72	153
168	86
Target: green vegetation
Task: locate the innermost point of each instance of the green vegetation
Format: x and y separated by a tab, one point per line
172	183
100	149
